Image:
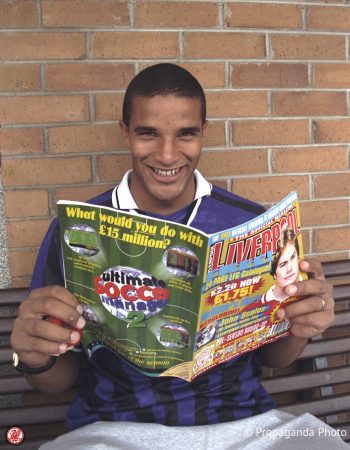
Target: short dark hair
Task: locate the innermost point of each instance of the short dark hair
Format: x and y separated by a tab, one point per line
163	79
287	237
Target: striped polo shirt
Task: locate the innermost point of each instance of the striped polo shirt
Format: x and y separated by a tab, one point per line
111	389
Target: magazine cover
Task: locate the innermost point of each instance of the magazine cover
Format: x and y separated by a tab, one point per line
172	300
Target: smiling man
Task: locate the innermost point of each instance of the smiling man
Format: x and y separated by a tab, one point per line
165	134
164	119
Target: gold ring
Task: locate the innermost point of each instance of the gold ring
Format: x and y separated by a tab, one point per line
323	306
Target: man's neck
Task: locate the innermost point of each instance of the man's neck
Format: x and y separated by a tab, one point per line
158	206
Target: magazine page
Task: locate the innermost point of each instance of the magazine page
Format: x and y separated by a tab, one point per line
139	280
248	266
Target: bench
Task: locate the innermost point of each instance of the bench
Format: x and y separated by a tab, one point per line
318	382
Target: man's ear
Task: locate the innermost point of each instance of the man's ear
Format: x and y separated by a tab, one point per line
205	124
125	132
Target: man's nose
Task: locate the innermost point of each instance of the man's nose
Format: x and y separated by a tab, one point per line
167	151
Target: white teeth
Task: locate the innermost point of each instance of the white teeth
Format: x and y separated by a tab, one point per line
166	173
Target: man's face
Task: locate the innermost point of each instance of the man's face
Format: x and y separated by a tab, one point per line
288	266
165	136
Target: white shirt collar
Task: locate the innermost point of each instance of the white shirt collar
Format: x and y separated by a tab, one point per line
123	199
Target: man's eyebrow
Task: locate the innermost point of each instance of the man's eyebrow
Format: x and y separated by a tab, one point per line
190	130
141	129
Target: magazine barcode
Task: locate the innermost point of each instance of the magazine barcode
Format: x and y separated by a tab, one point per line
279	328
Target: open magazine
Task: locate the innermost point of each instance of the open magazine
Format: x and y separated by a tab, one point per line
174	301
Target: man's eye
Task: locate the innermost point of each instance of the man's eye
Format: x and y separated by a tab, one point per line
186	135
147	134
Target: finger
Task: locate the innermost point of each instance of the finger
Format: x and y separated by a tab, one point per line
38	307
313	268
312	304
316	287
55	291
301	331
45	330
318	320
310	325
38	347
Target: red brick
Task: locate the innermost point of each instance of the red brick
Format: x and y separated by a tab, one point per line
307	245
224	45
332	239
331	18
80	193
254	15
331	75
236	104
19	77
112	168
27	45
36	109
214	135
311	47
46	171
332	131
180	14
209	75
22	262
309	104
18	14
88	76
82	13
228	163
85	138
310	159
332	185
21	140
108	106
271	189
250	75
324	212
18	283
270	132
223	184
26	233
26	203
136	44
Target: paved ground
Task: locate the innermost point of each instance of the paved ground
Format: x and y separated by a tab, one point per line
5	278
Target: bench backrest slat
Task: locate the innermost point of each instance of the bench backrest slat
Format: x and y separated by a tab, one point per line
320	407
308	380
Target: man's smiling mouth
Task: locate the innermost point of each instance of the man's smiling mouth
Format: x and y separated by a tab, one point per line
166	173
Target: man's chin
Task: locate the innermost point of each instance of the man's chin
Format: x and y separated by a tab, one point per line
166	200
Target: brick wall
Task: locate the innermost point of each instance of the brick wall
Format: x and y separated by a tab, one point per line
276	75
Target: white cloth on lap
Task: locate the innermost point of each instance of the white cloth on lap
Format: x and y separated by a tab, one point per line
272	430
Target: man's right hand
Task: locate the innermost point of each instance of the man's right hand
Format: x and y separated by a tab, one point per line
35	339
